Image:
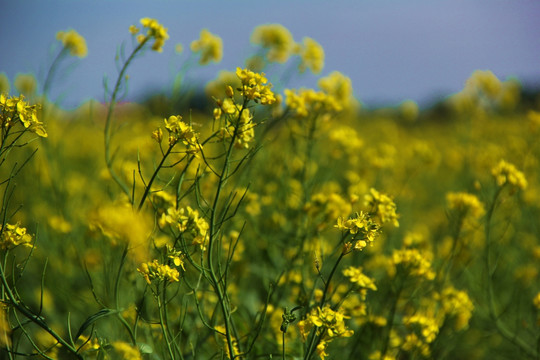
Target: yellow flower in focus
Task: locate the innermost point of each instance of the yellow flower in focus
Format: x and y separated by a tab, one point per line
154	30
312	56
15	109
74	42
255	86
13	236
506	173
156	271
276	39
209	45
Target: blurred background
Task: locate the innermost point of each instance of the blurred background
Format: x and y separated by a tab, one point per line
392	50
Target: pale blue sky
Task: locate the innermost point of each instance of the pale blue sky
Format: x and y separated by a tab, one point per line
392	50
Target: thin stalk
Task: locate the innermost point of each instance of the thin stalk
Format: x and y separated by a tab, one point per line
108	120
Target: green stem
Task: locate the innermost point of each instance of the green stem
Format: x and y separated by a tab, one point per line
147	189
108	120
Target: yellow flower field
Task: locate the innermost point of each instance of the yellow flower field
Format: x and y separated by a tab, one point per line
267	224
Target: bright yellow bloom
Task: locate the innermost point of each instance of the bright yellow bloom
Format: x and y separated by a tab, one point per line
506	173
255	86
309	101
156	271
180	131
331	321
209	45
74	42
15	109
14	235
362	227
189	222
276	39
312	56
154	31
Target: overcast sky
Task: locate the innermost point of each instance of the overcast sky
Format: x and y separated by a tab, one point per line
392	50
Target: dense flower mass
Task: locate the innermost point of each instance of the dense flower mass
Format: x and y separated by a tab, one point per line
362	227
14	235
209	45
382	206
156	271
74	42
181	131
466	204
255	86
356	276
154	31
15	109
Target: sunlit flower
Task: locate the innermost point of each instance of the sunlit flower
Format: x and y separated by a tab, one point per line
156	271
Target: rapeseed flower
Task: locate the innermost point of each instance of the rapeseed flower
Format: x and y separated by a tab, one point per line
16	109
209	45
255	86
4	83
156	271
276	40
25	84
14	235
74	42
382	206
506	173
356	276
154	31
312	56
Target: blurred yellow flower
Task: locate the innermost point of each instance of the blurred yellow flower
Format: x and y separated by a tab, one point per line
25	84
74	42
312	56
276	39
4	83
209	45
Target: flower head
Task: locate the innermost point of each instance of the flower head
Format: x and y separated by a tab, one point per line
154	31
209	45
74	42
506	173
312	56
276	39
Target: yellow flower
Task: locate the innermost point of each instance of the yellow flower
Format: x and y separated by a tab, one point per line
74	42
276	39
209	45
356	276
14	235
466	204
156	271
413	262
255	86
382	206
339	87
312	56
506	173
15	109
154	30
4	83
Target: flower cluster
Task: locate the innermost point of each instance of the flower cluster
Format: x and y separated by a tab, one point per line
74	42
154	31
382	206
458	305
236	120
356	276
180	131
506	173
14	235
156	271
311	55
276	40
362	227
16	109
467	205
330	324
413	262
188	222
306	101
255	86
209	45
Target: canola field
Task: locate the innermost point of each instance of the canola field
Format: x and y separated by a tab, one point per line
290	224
